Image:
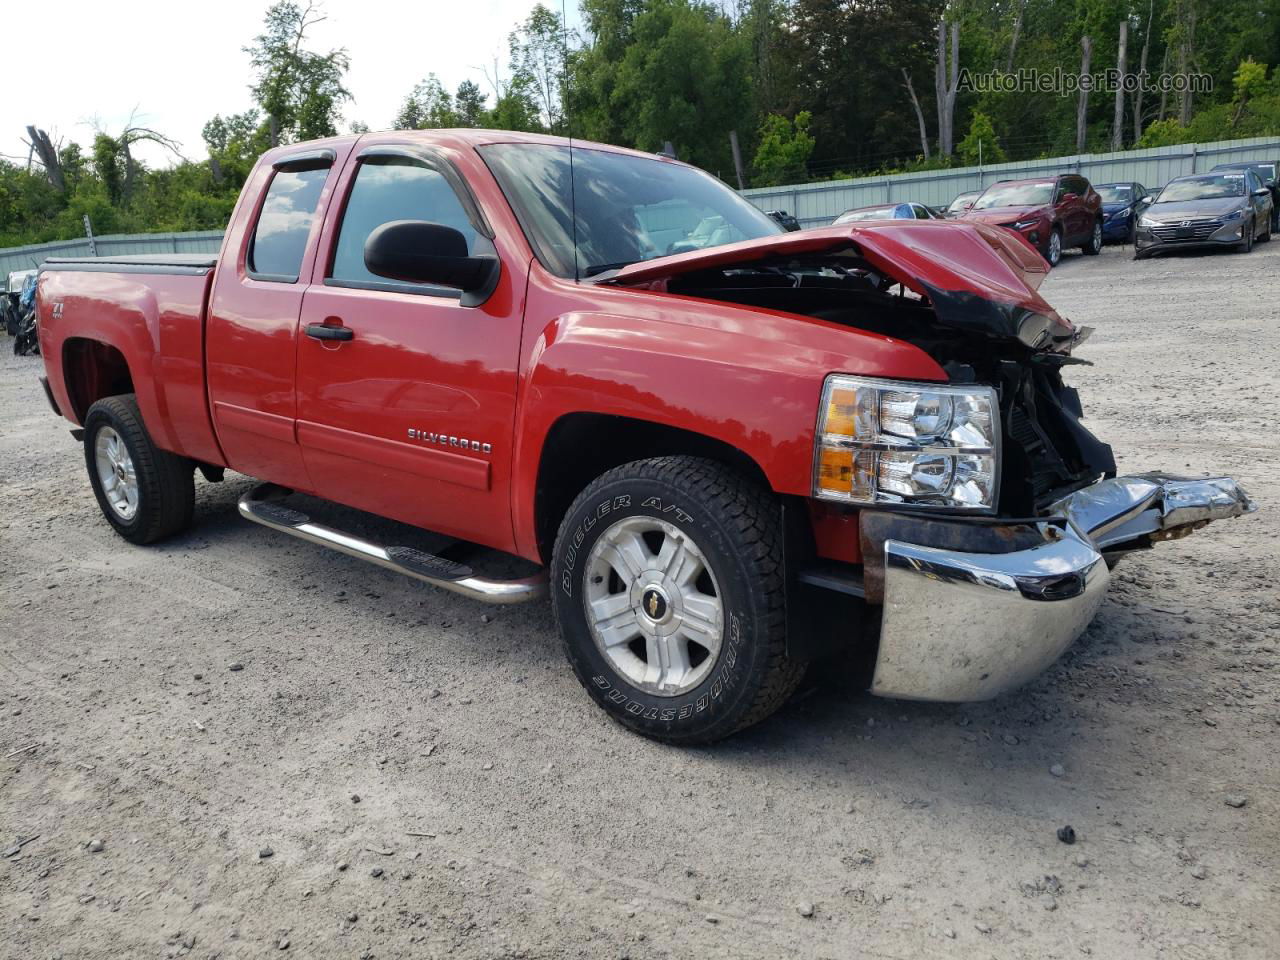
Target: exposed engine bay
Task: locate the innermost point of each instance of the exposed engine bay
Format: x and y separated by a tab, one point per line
1047	452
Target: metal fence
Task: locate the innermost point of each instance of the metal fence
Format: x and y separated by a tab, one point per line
814	204
24	258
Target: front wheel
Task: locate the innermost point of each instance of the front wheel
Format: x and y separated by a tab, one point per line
667	584
1054	252
1094	246
146	493
1246	245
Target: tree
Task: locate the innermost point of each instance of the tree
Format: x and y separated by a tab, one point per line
300	92
538	48
785	147
1082	109
428	106
980	144
1250	81
946	83
468	104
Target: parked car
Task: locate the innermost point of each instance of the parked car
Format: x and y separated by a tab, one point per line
887	211
961	203
721	462
1230	208
9	305
1051	214
1268	172
1122	204
785	220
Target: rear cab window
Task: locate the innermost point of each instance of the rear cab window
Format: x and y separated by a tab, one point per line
280	236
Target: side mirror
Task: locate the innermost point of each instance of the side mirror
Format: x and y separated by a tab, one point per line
1262	192
1147	199
416	251
1069	198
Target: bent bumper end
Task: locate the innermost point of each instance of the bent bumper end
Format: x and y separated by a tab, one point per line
960	626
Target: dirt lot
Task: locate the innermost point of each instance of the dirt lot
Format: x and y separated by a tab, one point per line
209	710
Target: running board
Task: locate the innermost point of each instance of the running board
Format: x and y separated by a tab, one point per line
261	505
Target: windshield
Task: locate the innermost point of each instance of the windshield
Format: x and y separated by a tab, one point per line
1212	187
868	213
1115	192
628	208
962	201
1016	195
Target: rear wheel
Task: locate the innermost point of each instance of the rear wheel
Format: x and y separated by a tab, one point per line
1094	246
667	583
146	493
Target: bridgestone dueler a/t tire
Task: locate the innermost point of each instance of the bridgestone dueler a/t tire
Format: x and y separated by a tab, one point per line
737	526
166	482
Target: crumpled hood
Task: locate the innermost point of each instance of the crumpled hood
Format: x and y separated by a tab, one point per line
1187	209
978	277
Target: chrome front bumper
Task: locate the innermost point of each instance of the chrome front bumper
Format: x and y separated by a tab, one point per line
961	626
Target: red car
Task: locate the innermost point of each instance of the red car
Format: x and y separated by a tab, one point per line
1051	214
724	449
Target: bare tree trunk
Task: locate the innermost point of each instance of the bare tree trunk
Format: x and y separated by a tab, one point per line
1082	109
215	168
1017	32
273	128
1117	126
924	136
48	154
1142	68
1164	94
946	82
1186	55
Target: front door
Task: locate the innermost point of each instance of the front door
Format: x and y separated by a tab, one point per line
406	397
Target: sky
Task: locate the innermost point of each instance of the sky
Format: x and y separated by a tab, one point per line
178	63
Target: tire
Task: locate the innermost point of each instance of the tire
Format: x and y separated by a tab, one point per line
1053	250
1266	237
723	533
1094	245
1246	245
163	488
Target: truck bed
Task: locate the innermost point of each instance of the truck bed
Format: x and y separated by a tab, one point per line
138	322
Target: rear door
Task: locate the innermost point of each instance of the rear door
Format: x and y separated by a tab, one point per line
412	416
250	341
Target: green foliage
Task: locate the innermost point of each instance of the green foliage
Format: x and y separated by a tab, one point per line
785	146
981	132
300	92
813	88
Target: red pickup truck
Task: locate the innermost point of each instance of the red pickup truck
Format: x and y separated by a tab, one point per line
731	450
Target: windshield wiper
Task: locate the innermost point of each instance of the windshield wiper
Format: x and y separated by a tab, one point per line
596	268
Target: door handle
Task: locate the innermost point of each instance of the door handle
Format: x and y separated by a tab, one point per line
328	331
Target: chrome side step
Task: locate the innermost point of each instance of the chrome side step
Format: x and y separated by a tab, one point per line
261	505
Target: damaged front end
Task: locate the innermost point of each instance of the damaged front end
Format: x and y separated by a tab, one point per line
972	611
983	585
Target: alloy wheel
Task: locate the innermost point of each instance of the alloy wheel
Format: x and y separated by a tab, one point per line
653	606
116	473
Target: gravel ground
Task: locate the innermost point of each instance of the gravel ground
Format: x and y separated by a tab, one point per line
204	715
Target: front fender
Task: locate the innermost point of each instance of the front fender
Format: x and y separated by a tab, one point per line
747	378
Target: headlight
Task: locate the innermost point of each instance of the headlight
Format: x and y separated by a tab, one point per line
1233	215
1120	214
1148	222
1024	224
887	441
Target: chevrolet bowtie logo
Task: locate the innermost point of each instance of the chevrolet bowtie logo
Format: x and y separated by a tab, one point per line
653	605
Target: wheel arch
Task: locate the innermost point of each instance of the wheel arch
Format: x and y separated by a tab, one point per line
581	446
91	370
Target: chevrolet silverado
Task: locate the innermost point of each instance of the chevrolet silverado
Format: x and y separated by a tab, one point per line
729	450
